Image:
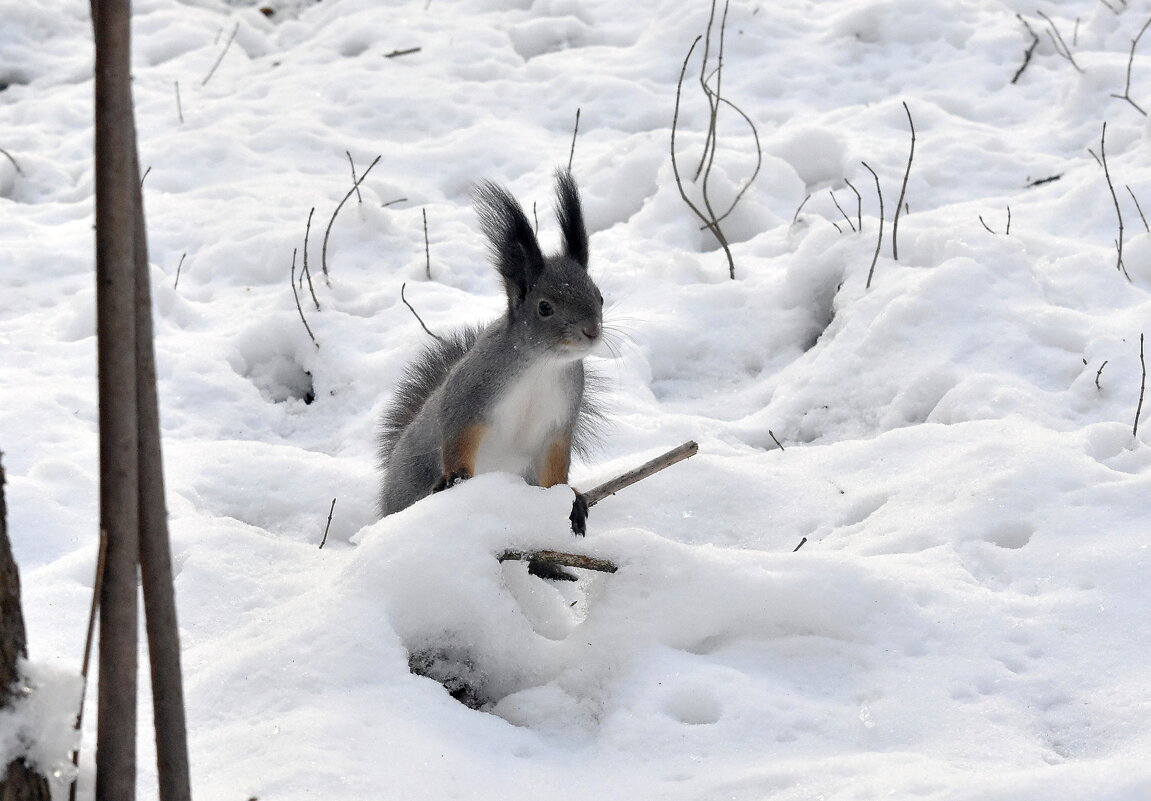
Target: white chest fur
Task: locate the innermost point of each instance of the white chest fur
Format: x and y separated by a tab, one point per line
520	427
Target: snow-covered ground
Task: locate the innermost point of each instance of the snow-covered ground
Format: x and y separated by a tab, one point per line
968	616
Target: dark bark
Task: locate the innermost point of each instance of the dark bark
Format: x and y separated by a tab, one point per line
19	782
155	550
116	187
133	512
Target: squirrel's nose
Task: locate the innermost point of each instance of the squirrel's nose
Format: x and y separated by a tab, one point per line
591	331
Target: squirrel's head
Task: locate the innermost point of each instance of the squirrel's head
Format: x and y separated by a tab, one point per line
551	299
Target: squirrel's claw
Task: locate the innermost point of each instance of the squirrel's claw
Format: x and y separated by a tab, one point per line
450	480
579	514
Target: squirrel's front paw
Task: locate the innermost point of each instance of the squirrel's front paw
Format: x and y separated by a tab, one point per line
450	480
578	516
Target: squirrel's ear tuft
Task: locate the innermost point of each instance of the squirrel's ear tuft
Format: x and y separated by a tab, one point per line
514	249
570	216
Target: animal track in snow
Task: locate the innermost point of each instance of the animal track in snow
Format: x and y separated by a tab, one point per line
693	705
1011	535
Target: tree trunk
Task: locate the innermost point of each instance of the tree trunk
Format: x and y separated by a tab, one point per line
116	180
155	550
19	782
133	512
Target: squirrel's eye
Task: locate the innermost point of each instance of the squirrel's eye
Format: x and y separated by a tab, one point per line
601	300
545	309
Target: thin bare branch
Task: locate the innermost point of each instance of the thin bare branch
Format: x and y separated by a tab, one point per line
648	468
858	205
416	314
1029	52
879	239
575	131
709	223
1142	389
327	526
1138	207
1130	61
903	189
355	181
328	230
1119	265
427	247
1057	41
795	217
841	211
307	272
176	283
300	308
223	52
15	163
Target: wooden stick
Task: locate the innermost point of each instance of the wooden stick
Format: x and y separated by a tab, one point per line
646	469
560	558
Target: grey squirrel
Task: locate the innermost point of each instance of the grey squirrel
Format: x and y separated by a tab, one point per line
511	396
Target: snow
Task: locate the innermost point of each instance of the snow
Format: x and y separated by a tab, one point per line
966	617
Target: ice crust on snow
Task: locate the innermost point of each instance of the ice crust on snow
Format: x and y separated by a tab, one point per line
966	617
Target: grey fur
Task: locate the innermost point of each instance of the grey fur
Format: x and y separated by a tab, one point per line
460	381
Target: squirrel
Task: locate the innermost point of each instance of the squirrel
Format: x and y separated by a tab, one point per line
514	395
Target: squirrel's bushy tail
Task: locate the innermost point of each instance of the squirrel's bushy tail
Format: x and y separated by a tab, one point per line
419	381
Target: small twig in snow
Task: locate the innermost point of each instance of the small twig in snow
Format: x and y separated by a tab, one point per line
1119	265
176	283
575	130
1057	41
1098	373
307	272
903	189
879	239
427	248
296	295
802	542
415	314
778	444
405	52
795	217
709	223
179	107
223	52
1138	207
1030	51
985	225
1142	389
1130	60
841	211
328	230
15	163
329	523
858	204
352	164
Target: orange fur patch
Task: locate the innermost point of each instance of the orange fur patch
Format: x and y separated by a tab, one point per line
461	454
557	462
